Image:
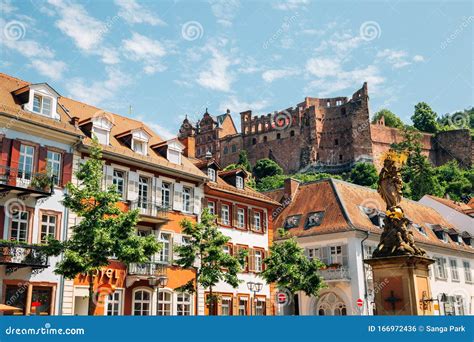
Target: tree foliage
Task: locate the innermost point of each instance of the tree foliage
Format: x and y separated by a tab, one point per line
204	252
424	118
103	230
391	119
364	174
288	267
266	168
244	161
275	182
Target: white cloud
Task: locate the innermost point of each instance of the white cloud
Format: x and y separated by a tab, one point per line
290	4
216	76
49	68
275	74
236	106
396	58
418	58
97	92
323	67
7	7
143	49
109	55
163	132
75	22
28	48
224	10
134	13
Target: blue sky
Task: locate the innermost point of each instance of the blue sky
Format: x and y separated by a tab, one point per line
171	58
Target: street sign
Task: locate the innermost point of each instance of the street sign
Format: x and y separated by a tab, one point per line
281	298
360	302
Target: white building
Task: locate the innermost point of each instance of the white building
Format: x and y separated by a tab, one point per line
35	164
341	223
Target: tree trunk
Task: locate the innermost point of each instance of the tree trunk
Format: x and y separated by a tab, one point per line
92	299
211	302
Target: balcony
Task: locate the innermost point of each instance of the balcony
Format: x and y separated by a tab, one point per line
150	211
16	256
35	184
335	274
140	271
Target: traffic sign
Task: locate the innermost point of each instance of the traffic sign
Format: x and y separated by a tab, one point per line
360	302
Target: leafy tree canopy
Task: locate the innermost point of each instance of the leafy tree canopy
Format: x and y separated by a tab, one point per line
391	119
424	118
265	168
364	174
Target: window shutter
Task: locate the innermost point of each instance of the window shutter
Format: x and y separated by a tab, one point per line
325	255
171	250
14	161
251	260
198	195
67	168
250	219
218	211
132	186
264	255
2	222
344	255
235	306
268	307
219	307
158	186
178	197
204	203
234	215
109	175
264	221
42	159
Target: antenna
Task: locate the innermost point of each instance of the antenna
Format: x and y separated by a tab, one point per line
130	110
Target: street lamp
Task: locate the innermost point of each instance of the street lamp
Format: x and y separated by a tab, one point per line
160	282
255	288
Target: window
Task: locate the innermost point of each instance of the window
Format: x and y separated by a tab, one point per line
260	307
340	157
278	136
226	249
141	303
164	303
226	306
292	221
467	271
264	138
143	192
119	181
257	221
102	135
234	148
314	219
187	200
441	272
114	304
336	142
19	227
53	161
258	261
336	254
183	304
211	206
139	146
239	182
165	252
243	306
338	102
42	105
292	133
165	194
240	218
225	214
453	264
254	141
211	173
48	227
226	150
174	156
25	167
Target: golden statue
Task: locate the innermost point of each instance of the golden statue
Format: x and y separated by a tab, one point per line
396	239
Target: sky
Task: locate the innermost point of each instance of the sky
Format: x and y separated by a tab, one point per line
158	61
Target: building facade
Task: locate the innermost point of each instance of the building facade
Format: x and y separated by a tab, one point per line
36	163
319	134
342	226
244	215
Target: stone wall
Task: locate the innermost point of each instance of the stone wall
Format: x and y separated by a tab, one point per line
455	144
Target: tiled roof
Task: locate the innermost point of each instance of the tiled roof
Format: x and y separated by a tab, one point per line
458	206
342	201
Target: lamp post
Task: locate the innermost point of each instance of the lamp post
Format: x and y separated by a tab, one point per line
255	288
158	282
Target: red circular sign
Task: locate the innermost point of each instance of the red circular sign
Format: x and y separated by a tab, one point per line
281	298
360	302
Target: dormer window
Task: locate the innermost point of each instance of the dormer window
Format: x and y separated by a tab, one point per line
211	173
172	150
239	182
174	156
139	146
42	105
102	135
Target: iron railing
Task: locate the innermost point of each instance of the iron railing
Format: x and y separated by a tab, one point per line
18	255
36	181
338	273
146	269
149	208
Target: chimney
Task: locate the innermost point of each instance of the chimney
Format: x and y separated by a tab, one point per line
189	146
291	186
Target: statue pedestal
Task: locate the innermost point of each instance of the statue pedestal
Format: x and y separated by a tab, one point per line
402	285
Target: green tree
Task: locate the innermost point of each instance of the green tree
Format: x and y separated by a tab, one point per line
266	167
424	118
391	119
244	161
204	253
457	183
364	174
289	268
104	230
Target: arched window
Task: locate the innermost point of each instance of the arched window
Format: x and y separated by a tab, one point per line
254	141
183	304
331	304
142	303
165	303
